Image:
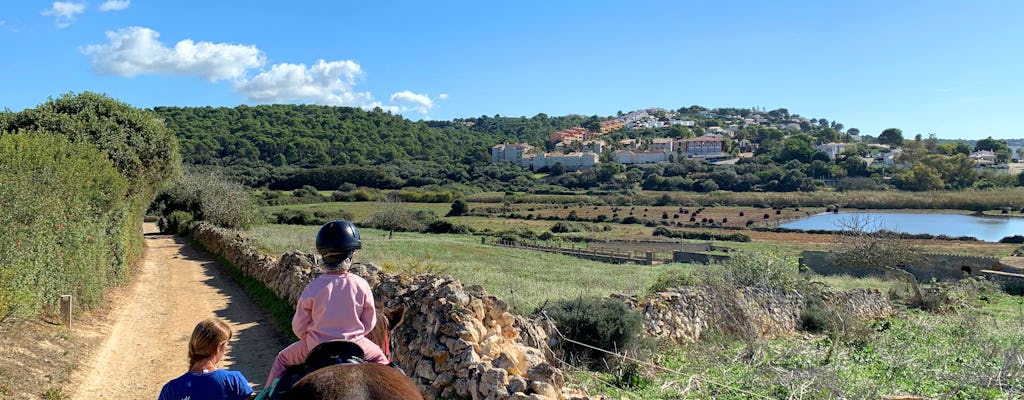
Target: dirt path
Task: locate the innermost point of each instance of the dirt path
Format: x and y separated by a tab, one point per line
147	344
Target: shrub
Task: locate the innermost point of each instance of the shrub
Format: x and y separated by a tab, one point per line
673	279
1012	239
762	269
815	317
564	227
176	222
459	207
442	226
64	223
600	322
212	198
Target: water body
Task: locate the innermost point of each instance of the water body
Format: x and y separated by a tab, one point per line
986	228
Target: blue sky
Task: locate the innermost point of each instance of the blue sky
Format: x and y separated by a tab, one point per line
952	68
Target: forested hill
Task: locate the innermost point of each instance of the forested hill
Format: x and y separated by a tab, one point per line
270	136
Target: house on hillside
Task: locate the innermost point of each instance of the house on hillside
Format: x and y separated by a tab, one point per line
666	145
700	146
627	157
833	149
572	161
514	153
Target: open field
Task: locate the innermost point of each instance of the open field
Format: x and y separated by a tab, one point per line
523	278
493	217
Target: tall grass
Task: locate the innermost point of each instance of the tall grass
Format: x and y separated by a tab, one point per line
526	279
970	354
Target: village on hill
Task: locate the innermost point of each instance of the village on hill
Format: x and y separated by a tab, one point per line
713	136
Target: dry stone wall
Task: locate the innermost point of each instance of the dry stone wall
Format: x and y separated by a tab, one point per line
455	342
460	342
685	314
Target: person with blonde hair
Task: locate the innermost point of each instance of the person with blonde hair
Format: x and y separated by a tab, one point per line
204	379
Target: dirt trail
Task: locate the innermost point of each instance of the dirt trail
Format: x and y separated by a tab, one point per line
148	343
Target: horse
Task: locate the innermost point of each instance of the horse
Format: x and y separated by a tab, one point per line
360	381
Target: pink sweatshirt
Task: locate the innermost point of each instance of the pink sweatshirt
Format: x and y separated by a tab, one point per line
334	306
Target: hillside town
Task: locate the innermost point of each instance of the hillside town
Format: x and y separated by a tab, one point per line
720	141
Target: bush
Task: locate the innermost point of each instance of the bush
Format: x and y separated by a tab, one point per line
815	317
673	279
459	207
212	198
64	223
303	217
442	226
601	322
176	222
563	227
762	269
1012	239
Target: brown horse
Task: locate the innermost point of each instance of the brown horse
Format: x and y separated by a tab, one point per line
366	381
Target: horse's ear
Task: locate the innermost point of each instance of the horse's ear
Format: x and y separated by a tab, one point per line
394	314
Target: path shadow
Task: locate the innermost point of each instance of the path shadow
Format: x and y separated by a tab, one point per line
256	339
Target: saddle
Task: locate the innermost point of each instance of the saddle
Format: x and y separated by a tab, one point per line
325	354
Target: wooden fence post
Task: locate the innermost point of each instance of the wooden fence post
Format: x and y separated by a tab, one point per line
65	310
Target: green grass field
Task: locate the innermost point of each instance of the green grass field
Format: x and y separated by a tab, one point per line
523	278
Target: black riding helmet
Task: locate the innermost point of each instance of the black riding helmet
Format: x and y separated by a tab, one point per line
337	240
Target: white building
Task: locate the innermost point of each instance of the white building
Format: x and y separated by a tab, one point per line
662	144
833	149
640	157
513	153
571	161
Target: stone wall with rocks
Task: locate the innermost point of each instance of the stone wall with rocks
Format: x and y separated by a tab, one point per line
685	314
461	342
455	341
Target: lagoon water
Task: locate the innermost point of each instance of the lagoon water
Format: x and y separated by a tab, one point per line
987	228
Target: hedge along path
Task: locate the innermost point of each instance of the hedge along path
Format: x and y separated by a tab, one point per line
177	286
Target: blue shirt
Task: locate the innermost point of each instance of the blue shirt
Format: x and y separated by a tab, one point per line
217	385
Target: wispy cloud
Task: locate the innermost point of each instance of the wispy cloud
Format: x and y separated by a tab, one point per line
64	12
115	5
442	96
136	50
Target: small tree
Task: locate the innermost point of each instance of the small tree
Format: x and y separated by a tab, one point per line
459	207
391	216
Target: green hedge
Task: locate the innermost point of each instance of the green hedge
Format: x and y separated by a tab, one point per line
732	237
63	216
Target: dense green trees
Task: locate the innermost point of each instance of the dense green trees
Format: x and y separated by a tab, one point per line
77	175
891	136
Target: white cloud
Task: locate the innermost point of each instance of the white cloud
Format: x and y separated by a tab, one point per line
135	50
382	106
328	83
115	5
442	96
64	12
418	102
